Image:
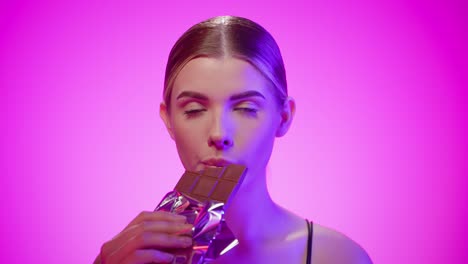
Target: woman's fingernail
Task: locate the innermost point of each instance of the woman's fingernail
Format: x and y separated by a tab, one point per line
180	217
186	227
166	257
185	241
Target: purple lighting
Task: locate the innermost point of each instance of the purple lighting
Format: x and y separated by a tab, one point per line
376	150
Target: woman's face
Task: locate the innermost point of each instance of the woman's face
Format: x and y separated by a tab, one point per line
223	111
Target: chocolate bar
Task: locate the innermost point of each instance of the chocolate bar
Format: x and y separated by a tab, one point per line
213	183
202	198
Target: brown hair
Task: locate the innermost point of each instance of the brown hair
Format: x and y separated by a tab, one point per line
228	36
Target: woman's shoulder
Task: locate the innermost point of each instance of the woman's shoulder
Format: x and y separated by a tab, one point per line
330	246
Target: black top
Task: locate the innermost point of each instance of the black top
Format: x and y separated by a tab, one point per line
310	228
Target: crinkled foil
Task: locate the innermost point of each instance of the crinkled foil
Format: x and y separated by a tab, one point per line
211	235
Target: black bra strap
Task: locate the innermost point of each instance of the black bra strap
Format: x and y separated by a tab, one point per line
310	228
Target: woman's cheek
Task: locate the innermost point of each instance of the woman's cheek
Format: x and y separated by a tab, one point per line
190	136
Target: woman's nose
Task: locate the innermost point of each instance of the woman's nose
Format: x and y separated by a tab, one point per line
221	133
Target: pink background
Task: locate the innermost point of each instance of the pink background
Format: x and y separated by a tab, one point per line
377	149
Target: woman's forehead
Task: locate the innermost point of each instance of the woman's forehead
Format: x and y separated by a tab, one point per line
220	77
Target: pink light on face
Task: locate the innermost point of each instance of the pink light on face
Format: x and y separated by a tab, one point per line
208	120
377	149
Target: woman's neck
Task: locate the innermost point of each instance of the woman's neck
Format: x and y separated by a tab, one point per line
252	214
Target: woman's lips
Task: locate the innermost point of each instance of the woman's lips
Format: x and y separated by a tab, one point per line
215	162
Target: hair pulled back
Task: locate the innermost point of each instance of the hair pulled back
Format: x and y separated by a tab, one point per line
228	36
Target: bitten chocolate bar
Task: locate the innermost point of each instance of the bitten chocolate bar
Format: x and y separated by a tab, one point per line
215	184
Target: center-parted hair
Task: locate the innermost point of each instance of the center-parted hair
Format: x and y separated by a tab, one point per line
228	36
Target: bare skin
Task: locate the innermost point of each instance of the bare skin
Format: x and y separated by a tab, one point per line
146	238
223	108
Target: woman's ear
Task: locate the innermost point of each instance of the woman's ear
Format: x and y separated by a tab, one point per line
164	114
287	115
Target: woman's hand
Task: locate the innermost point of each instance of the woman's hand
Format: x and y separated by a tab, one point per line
146	238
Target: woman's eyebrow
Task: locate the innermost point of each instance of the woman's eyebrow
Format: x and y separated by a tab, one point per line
234	97
192	94
246	94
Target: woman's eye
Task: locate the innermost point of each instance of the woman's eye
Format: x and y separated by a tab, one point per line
247	110
193	112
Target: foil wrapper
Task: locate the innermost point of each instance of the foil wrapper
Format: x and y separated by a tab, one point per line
211	236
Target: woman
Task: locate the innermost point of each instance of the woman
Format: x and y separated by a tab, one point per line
225	101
